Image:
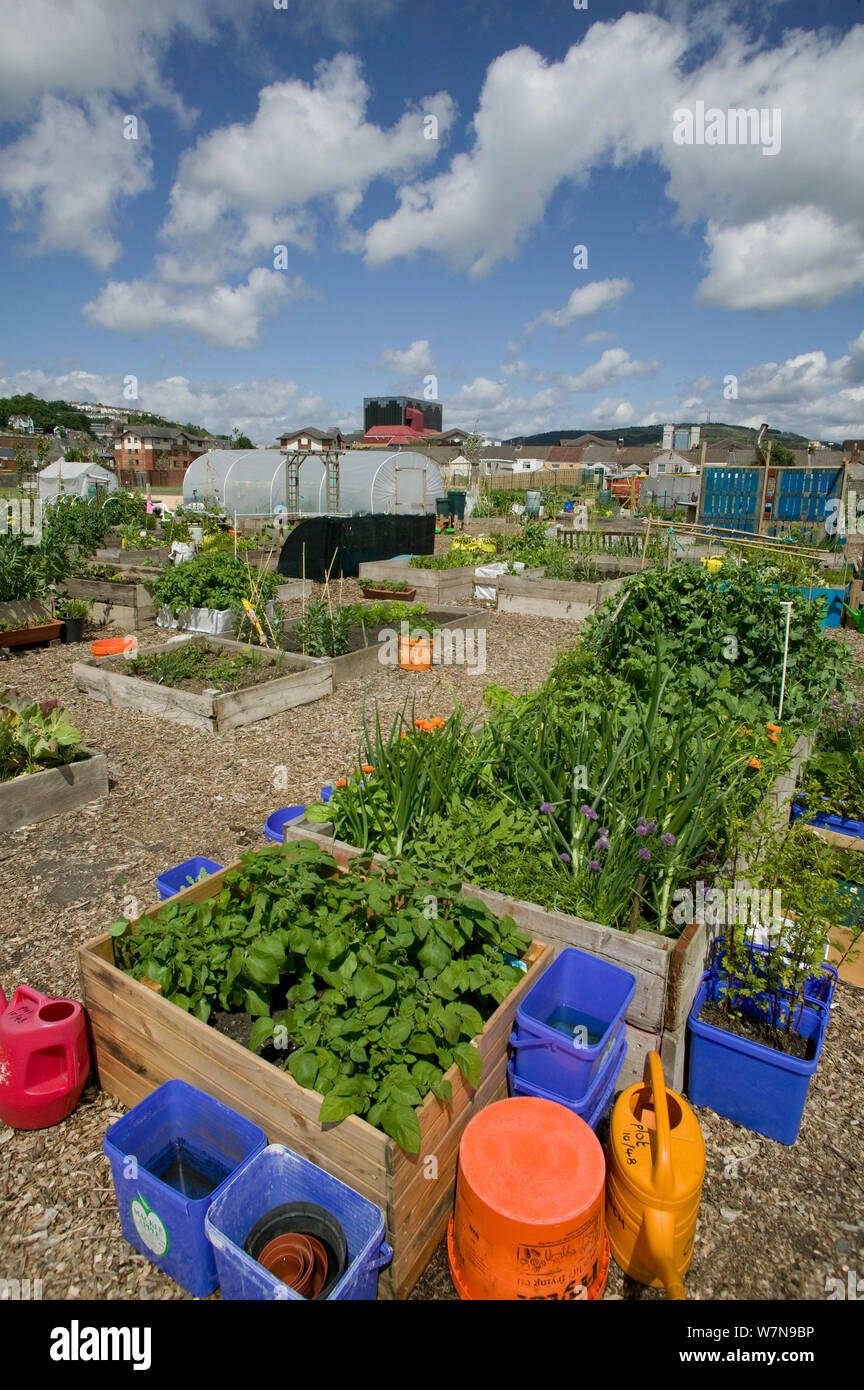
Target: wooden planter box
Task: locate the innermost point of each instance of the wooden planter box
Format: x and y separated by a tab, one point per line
105	679
140	1040
388	595
667	971
128	605
135	555
563	599
38	796
366	660
433	586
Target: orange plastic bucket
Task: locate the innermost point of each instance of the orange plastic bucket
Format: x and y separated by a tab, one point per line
112	646
415	654
528	1220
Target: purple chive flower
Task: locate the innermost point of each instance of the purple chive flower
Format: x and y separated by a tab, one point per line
668	839
601	830
602	842
587	811
645	855
594	866
565	858
641	830
547	808
651	828
641	821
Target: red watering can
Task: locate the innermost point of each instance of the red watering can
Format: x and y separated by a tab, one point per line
44	1058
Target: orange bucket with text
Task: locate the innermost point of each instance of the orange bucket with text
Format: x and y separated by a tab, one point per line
415	654
528	1220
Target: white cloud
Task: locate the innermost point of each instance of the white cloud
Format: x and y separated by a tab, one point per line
245	187
583	303
601	336
780	231
66	176
228	316
613	365
415	361
612	412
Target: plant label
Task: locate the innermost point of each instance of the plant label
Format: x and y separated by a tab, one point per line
149	1226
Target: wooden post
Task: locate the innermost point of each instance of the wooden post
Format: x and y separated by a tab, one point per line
669	551
645	545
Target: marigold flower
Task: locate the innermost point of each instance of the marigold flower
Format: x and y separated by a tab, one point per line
753	762
368	768
775	728
343	782
774	738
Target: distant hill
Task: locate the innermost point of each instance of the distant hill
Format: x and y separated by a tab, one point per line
46	415
646	435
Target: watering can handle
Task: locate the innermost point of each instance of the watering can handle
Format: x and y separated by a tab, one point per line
654	1079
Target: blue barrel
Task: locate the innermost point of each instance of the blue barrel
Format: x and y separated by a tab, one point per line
273	1178
569	1024
182	875
274	827
592	1108
171	1156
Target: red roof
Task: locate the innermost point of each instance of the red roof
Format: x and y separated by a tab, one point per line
396	434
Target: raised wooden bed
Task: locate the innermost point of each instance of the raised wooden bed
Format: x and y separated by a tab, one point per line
128	605
37	796
563	599
141	1040
376	595
433	586
105	679
366	660
667	971
135	555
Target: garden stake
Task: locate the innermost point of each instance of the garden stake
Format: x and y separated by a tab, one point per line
788	606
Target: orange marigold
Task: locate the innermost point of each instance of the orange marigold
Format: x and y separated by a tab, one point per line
754	762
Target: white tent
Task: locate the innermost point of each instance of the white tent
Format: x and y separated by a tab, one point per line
74	480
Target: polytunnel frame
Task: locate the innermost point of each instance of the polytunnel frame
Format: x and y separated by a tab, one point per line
294	459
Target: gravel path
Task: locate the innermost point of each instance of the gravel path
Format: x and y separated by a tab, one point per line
798	1214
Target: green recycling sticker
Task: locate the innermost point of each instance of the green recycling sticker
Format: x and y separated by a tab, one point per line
149	1226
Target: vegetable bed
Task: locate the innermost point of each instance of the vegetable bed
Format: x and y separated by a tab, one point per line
44	770
267	924
260	683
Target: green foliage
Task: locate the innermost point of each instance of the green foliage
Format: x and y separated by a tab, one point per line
31	571
34	738
195	661
44	414
74	608
454	559
324	631
214	581
392	586
365	985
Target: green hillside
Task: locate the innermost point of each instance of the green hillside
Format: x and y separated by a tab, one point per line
645	435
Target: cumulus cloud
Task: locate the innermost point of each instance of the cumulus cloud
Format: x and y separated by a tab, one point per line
246	186
583	303
601	336
612	412
228	316
66	177
780	231
613	365
415	360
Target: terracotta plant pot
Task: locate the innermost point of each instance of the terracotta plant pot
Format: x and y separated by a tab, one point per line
29	636
302	1244
389	595
299	1261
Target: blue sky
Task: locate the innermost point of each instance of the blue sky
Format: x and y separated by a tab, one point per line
711	267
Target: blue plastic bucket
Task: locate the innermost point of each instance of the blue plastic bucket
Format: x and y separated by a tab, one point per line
182	875
326	793
820	987
157	1218
580	984
593	1107
276	1176
275	826
757	1086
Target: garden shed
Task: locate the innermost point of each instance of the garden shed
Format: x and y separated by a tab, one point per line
74	480
254	482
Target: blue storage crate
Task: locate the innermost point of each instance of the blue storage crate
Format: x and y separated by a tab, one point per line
274	827
182	875
272	1178
835	823
594	1106
757	1086
156	1217
587	987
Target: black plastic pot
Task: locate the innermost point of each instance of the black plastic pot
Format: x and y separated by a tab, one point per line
72	630
308	1219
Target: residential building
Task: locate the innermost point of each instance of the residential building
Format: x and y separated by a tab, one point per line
21	422
156	454
404	412
311	439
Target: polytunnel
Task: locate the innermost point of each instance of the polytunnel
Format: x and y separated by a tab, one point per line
253	482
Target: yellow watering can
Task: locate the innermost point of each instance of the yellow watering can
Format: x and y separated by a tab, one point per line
656	1166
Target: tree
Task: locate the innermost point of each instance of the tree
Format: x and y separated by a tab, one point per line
241	441
23	464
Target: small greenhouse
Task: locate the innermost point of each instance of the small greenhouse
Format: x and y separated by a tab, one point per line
253	482
74	480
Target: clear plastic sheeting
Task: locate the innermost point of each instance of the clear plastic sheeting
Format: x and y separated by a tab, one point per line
253	482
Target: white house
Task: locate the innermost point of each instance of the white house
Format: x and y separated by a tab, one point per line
21	422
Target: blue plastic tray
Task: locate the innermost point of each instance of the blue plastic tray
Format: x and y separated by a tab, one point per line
182	875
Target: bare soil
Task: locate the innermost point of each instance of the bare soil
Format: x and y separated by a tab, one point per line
757	1030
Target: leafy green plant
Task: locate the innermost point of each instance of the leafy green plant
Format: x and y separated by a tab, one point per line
324	631
392	586
35	738
196	661
366	985
214	581
74	608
